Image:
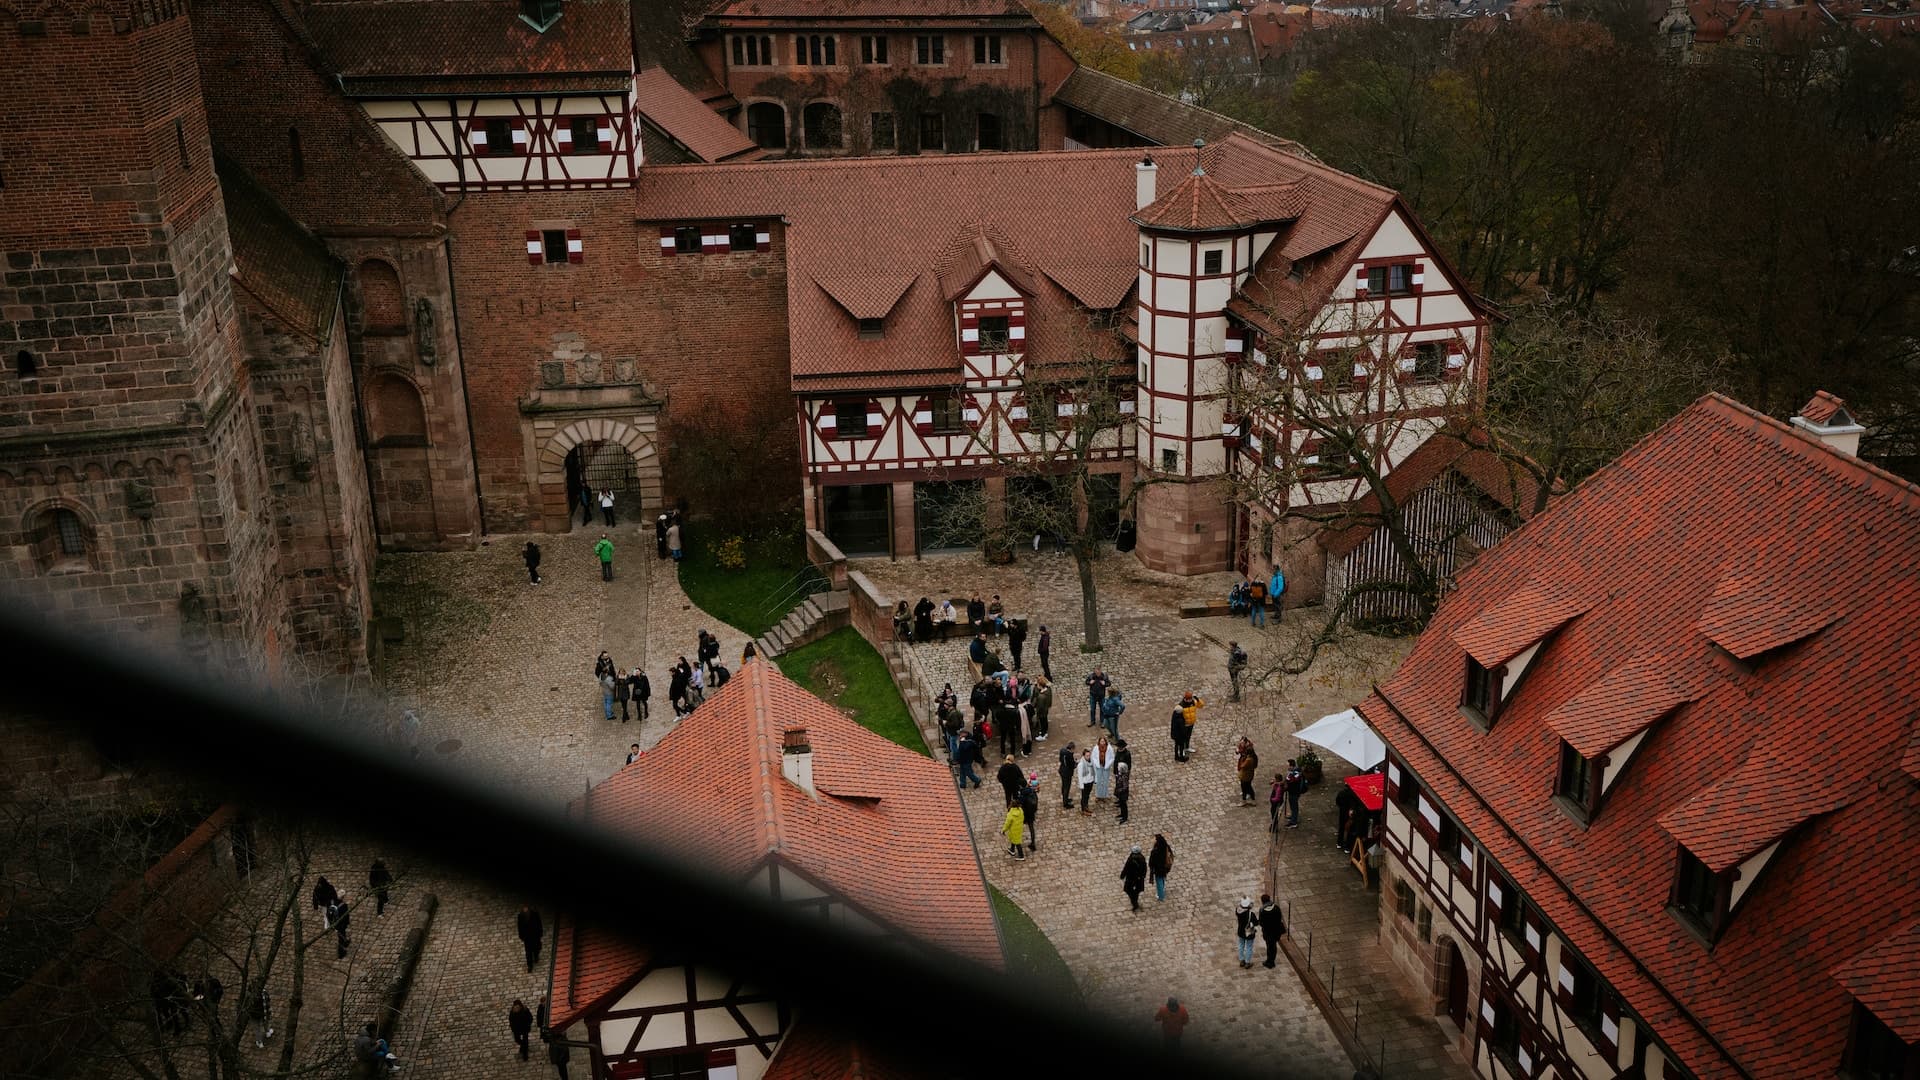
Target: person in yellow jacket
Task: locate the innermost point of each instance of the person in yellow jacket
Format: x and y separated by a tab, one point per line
1183	718
1014	829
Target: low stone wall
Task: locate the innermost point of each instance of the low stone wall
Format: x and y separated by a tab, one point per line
827	558
143	924
869	612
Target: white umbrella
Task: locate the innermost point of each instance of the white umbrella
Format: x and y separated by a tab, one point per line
1345	734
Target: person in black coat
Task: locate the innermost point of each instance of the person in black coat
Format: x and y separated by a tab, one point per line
531	556
660	535
520	1022
532	931
379	880
1011	780
1016	640
1272	925
324	895
639	689
1069	763
1349	811
923	620
340	915
1133	876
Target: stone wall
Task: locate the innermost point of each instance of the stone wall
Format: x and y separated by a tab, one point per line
827	558
869	612
708	334
1185	527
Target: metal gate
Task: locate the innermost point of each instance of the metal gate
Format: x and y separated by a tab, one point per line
601	465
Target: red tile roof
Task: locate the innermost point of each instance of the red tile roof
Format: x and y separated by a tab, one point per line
687	119
812	1052
436	39
885	830
1157	118
1621	704
1749	615
1886	979
1199	203
1062	216
978	249
1822	726
879	9
1503	630
1823	406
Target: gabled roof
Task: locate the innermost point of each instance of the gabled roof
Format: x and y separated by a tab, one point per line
1157	118
687	119
1643	543
884	829
1619	705
1825	408
1499	479
978	249
1505	629
1886	979
435	44
1060	219
865	295
285	267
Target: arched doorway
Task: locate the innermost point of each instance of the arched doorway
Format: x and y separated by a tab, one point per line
597	454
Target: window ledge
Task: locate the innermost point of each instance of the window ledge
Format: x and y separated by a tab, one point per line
1573	810
1693	926
73	564
1477	718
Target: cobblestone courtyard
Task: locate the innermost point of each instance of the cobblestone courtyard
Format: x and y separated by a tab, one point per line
500	673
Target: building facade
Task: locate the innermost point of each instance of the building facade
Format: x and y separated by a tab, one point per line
774	788
1623	799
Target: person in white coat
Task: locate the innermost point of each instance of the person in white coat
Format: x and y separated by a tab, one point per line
1102	752
1083	775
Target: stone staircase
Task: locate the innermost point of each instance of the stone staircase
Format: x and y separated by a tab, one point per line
815	617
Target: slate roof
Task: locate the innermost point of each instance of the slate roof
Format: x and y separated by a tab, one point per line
285	267
1061	217
1808	746
687	119
1157	118
886	832
452	47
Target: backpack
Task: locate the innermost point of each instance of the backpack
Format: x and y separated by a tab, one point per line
1297	783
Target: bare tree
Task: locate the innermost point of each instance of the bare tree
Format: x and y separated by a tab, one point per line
1061	448
1570	391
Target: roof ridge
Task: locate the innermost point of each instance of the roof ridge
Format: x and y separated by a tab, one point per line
771	839
782	164
1828	458
1304	153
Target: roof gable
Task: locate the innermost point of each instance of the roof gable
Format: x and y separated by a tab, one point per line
1504	630
1618	706
1749	615
865	295
1760	802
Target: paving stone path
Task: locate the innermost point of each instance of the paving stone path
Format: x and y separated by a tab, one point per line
1128	963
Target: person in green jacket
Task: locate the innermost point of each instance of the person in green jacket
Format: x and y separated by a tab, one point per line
604	549
1014	829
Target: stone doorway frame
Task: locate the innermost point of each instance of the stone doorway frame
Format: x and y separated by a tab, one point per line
554	438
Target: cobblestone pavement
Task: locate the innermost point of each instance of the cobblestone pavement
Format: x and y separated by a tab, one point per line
1128	962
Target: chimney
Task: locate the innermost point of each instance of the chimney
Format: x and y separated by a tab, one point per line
796	759
1826	418
1146	183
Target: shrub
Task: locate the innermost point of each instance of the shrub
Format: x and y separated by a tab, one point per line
732	553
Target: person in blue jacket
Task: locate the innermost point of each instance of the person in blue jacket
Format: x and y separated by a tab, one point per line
1276	589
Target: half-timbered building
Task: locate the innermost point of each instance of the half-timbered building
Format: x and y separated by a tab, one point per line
1653	777
770	786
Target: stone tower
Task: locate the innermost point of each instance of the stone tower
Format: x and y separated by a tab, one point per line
133	489
1196	246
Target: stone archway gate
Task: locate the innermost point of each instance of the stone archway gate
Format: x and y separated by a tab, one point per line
553	439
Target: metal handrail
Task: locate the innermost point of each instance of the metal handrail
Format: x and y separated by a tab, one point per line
804	582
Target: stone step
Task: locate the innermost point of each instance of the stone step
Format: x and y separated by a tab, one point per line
831	601
810	610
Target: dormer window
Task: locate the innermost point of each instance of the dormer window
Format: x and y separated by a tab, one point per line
871	329
1876	1052
993	333
1700	896
540	14
1578	786
1481	695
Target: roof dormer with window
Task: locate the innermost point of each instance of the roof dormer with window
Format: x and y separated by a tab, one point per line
1502	643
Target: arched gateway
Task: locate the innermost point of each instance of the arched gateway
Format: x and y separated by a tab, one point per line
600	452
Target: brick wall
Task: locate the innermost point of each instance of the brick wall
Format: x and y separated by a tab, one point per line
708	332
1184	527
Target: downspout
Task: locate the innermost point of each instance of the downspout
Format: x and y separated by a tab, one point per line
466	400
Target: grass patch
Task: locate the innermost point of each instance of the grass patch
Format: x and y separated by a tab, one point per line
1031	958
846	671
739	598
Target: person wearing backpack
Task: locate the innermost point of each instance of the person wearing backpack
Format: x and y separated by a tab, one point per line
1257	603
1110	710
1246	926
1160	864
1030	809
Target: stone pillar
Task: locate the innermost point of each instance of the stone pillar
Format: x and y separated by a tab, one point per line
903	521
1185	527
